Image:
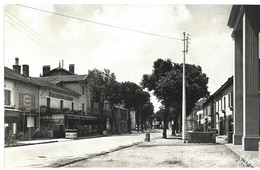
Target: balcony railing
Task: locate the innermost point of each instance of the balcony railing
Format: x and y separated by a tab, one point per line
52	110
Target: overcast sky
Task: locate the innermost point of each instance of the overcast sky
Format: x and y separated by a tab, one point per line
39	38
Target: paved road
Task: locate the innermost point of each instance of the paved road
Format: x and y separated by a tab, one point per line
165	153
60	153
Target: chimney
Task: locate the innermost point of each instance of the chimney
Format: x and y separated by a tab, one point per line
16	61
17	67
71	68
26	70
46	69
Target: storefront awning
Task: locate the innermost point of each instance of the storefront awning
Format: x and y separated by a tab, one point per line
12	115
12	110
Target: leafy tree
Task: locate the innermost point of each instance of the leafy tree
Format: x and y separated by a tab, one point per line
134	98
146	115
104	87
166	84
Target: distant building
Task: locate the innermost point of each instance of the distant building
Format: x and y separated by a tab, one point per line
79	84
218	109
194	119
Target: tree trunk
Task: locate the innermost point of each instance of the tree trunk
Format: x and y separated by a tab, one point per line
173	130
102	117
142	123
174	126
180	123
151	123
129	122
137	120
165	123
145	125
115	122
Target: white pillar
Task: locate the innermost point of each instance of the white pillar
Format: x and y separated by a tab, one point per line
250	81
238	88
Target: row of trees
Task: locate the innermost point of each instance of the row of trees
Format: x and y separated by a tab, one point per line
166	84
104	87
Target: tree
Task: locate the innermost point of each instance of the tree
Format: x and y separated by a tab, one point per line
146	115
166	84
134	98
104	87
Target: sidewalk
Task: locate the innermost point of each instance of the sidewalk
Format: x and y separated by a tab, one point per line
52	140
249	158
246	158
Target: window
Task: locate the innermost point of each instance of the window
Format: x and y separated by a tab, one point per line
33	101
83	89
48	102
224	103
61	104
72	106
83	106
20	99
7	97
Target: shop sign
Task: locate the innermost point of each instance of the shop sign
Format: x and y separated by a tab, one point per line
71	135
30	122
27	100
53	119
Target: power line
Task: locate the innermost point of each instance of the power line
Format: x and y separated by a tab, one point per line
99	23
34	34
39	43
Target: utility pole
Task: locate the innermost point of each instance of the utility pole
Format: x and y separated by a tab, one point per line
186	45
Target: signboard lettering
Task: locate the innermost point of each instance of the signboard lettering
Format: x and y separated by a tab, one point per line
53	119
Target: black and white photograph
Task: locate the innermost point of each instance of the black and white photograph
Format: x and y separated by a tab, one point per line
171	84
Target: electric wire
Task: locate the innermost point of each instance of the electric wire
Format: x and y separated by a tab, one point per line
39	43
98	23
34	34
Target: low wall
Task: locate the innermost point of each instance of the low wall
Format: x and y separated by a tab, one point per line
201	137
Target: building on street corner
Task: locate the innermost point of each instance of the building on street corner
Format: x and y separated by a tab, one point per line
244	20
56	105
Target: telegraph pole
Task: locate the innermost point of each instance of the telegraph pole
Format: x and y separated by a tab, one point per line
186	45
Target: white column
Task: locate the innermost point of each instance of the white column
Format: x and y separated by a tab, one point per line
250	81
238	88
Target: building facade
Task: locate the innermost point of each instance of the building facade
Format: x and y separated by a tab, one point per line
195	119
21	104
218	109
244	20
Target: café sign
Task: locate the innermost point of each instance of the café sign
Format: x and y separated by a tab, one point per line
57	119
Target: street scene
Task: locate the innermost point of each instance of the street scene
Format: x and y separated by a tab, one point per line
131	86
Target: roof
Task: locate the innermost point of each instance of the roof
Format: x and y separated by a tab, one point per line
237	13
225	85
58	69
65	78
10	74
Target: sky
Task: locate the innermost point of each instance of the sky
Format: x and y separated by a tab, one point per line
126	39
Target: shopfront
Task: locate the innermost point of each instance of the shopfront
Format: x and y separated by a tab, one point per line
60	125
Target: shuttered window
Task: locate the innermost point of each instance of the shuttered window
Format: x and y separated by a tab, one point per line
7	97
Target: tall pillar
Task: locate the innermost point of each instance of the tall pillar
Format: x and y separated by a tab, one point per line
250	81
238	88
